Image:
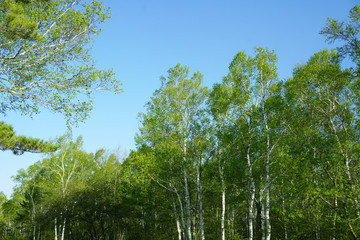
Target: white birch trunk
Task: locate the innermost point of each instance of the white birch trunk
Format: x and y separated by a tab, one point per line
223	205
202	233
182	213
55	230
347	166
252	196
63	230
223	195
187	195
178	226
267	181
262	214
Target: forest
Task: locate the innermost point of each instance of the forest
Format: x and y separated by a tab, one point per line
253	157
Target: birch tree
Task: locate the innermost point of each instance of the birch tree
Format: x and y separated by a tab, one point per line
45	61
324	91
30	183
179	101
224	115
63	166
245	91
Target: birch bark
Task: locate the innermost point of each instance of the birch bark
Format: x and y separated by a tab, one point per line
223	201
252	195
199	192
178	227
267	181
187	196
55	230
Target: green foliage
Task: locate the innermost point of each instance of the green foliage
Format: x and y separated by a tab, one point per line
304	129
15	23
347	32
21	144
45	60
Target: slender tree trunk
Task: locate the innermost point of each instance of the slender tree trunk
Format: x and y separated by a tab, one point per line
187	199
267	181
347	166
251	210
352	231
335	216
63	230
187	195
194	225
283	208
262	214
39	234
199	192
55	230
252	196
223	204
178	226
182	214
33	211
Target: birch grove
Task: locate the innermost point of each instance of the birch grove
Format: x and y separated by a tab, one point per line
253	157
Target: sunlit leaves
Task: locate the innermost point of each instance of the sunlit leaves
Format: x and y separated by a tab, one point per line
50	66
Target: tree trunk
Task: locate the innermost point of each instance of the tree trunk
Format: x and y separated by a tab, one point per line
223	197
55	230
223	205
198	173
267	177
187	195
252	195
283	208
178	226
34	236
335	216
251	204
262	214
63	230
39	234
267	183
182	215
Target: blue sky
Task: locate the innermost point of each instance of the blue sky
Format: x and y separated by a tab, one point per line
143	39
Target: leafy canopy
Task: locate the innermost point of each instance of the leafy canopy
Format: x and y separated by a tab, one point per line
20	144
45	60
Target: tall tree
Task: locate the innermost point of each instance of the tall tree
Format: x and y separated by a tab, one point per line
45	60
323	94
63	166
346	32
174	114
241	101
30	187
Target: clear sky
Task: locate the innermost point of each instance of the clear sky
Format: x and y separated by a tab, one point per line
143	39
